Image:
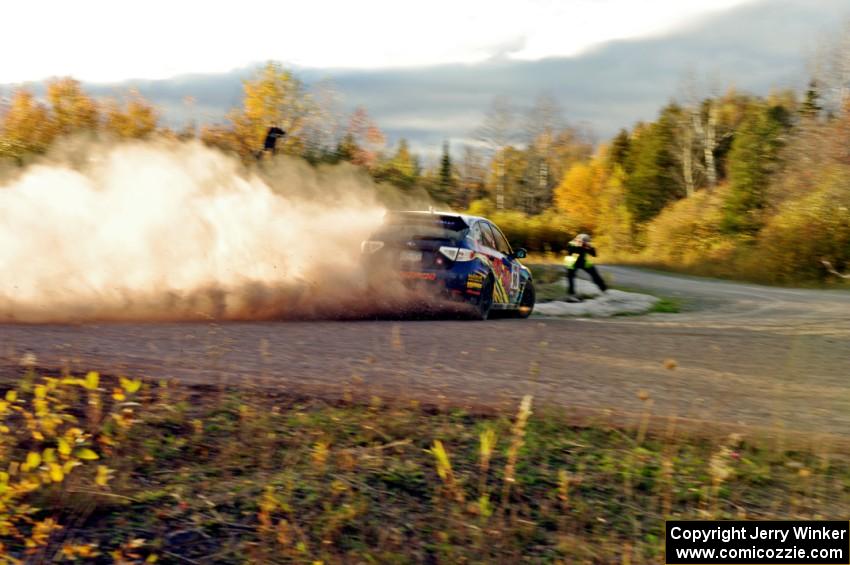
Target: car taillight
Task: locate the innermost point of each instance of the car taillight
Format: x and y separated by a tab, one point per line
369	246
457	253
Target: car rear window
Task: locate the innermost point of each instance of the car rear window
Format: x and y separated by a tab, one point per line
422	226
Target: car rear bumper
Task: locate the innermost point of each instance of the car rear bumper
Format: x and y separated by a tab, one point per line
454	283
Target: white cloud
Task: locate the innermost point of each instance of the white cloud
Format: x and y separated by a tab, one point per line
110	40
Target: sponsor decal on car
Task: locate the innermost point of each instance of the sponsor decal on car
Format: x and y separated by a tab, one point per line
418	275
499	292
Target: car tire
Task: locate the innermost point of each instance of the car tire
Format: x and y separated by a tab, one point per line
484	304
526	301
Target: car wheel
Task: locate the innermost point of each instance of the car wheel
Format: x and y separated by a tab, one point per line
526	301
485	300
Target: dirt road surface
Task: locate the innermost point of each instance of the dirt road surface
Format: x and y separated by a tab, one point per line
758	357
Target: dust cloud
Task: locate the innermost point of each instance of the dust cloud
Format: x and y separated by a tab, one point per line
179	231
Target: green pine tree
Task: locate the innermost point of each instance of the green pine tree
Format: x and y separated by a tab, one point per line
811	107
619	151
754	157
446	186
651	183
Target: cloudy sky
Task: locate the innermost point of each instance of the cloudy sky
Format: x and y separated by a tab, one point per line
425	70
109	40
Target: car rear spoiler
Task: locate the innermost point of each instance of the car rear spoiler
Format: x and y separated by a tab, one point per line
448	221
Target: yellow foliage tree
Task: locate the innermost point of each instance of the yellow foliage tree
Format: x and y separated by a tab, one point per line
136	120
687	232
805	231
578	193
614	225
71	109
219	136
274	97
26	127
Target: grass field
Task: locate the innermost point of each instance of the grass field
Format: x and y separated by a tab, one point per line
101	469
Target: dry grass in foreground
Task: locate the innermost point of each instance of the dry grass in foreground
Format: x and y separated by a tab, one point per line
116	470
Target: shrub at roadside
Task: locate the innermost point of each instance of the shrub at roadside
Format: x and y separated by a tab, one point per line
807	229
51	430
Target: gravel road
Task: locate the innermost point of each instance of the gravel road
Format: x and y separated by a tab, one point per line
744	355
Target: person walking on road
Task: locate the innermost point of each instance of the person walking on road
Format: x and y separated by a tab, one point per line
579	252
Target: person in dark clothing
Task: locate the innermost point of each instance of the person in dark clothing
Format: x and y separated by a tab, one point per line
270	144
578	256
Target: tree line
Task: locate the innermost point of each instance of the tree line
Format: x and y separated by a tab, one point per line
731	184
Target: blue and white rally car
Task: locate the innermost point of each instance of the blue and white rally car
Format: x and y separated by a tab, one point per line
463	257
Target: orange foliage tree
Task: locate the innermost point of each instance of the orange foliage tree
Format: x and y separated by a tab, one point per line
363	140
72	110
26	127
136	119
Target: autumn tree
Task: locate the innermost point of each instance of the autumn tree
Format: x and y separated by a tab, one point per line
575	195
72	110
507	177
322	125
401	169
136	118
472	172
697	137
543	121
363	140
497	132
615	228
688	141
811	196
220	137
579	191
273	97
26	127
831	70
571	145
731	109
345	148
549	158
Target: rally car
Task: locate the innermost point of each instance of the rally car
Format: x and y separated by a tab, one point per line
465	258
